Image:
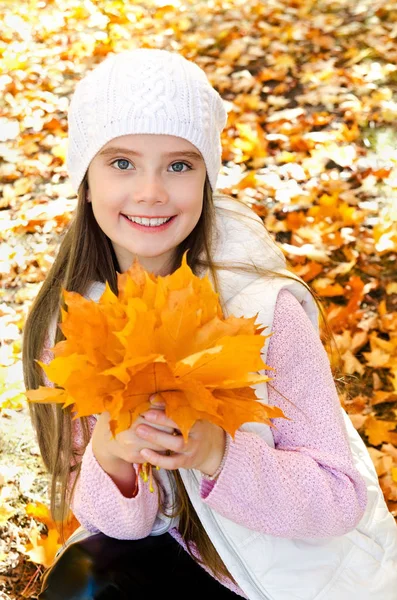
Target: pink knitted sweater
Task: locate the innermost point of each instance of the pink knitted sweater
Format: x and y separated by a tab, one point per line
305	487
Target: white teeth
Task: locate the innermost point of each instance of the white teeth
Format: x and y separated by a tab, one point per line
148	222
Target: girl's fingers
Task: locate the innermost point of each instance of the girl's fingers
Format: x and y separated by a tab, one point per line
157	401
162	428
160	418
163	461
172	442
140	443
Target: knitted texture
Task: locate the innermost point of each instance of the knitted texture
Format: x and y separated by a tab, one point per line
307	486
144	91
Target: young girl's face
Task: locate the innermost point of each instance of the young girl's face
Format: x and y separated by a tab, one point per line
147	176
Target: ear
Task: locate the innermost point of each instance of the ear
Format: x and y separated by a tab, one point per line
88	196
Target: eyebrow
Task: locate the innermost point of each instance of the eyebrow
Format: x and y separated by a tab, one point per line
120	150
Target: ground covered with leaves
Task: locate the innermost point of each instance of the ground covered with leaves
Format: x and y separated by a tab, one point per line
311	91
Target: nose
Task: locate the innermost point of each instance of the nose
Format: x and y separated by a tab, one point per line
150	189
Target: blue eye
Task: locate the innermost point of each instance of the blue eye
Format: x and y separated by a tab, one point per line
123	164
181	163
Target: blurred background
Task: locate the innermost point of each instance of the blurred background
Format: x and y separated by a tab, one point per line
311	92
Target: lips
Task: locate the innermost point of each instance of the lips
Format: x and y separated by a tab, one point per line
154	217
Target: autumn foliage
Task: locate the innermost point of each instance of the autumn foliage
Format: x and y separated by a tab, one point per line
310	144
159	334
42	547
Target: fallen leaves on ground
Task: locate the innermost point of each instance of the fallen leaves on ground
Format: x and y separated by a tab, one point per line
309	144
42	547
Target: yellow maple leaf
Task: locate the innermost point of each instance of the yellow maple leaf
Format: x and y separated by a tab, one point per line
40	512
158	334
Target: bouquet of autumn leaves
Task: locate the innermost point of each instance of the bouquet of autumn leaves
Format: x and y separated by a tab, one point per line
159	334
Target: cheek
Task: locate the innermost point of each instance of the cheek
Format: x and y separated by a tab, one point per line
101	184
107	198
106	214
194	205
191	213
199	207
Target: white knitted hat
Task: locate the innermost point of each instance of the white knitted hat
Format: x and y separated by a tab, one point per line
144	91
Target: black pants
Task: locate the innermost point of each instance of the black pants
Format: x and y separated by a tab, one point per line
103	568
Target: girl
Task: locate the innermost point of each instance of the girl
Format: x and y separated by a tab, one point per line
292	512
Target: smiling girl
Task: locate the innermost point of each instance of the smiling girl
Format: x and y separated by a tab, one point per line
293	512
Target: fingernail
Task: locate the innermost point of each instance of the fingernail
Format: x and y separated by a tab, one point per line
157	400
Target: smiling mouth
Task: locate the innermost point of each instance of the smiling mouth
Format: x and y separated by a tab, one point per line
148	225
142	217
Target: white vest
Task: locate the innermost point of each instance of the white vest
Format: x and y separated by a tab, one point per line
361	563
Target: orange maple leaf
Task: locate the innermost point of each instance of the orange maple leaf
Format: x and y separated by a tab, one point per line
42	548
159	334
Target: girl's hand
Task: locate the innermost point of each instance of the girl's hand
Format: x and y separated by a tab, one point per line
203	451
126	445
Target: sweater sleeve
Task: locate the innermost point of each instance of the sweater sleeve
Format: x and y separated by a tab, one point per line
307	486
97	503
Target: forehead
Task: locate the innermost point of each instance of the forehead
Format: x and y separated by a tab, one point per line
161	144
151	145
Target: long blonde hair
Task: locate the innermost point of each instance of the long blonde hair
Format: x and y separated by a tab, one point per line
85	255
